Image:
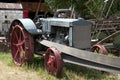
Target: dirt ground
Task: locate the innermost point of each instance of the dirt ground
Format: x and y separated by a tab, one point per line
15	73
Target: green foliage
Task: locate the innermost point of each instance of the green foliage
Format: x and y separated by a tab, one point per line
116	7
86	8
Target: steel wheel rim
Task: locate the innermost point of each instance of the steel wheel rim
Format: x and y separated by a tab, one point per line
53	63
99	49
18	45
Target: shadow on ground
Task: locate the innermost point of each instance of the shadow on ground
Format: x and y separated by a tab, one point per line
70	70
86	73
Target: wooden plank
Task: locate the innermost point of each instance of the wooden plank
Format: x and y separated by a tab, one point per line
82	54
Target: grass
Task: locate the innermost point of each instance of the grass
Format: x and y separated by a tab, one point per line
70	71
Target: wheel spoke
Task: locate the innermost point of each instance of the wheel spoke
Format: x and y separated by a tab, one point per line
50	62
51	65
21	59
14	44
18	44
21	42
16	36
16	54
21	56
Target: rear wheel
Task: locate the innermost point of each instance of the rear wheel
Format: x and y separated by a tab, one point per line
22	46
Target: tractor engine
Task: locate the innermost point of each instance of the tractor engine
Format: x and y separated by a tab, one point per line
59	35
60	40
71	32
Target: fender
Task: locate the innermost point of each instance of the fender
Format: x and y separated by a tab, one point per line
27	24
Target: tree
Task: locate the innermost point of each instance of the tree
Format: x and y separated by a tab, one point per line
87	8
115	8
60	4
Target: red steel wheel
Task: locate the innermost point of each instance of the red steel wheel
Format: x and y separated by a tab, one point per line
21	45
53	61
98	48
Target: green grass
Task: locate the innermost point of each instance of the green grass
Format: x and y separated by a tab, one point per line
70	71
6	58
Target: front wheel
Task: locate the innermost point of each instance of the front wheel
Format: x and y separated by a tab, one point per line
53	61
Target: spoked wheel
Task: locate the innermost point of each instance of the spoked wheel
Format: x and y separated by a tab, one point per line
53	61
21	45
98	48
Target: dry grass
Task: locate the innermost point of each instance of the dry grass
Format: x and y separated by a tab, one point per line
16	73
36	71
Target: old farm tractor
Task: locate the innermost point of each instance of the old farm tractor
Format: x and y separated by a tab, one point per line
62	40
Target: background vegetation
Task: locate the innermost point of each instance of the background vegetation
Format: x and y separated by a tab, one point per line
87	8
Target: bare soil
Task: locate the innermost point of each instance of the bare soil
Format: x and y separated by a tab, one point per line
16	73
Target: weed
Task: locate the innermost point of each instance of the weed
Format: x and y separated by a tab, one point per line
70	71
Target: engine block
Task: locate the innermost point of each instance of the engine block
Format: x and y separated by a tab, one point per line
71	32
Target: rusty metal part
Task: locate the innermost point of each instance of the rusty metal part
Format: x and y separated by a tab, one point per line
53	61
98	48
21	43
86	58
67	13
